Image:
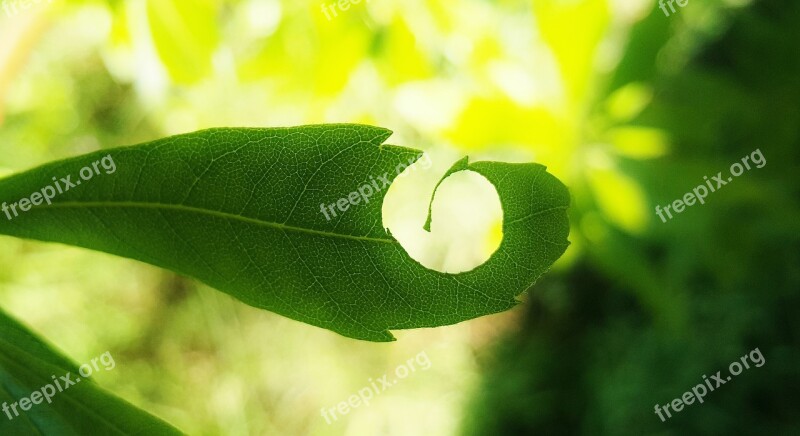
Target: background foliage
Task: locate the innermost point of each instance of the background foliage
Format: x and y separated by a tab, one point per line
628	107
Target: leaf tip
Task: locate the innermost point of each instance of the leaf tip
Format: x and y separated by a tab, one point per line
386	336
460	165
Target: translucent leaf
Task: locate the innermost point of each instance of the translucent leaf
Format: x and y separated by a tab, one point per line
185	36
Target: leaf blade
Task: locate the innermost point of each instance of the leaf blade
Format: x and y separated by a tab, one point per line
241	210
27	364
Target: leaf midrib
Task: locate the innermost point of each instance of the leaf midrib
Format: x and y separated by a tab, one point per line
216	213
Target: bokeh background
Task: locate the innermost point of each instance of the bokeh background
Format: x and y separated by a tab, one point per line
629	107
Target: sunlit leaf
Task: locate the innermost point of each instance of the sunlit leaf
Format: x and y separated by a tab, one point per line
628	101
509	124
399	56
573	30
620	198
185	36
311	51
639	142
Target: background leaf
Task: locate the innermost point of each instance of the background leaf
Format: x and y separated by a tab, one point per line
184	36
27	364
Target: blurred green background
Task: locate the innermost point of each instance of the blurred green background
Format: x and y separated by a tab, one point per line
629	107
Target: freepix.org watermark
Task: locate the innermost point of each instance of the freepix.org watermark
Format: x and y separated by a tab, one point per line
370	188
49	192
13	7
340	5
699	392
700	193
671	3
58	385
365	394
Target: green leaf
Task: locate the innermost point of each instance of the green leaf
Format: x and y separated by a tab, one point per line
28	364
240	210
